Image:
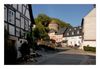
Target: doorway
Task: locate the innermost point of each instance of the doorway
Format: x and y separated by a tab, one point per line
10	52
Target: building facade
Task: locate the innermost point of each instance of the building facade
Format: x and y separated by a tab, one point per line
73	36
60	34
89	29
17	21
52	35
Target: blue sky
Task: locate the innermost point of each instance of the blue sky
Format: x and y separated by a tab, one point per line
70	13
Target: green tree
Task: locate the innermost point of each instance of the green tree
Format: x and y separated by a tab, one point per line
44	19
39	32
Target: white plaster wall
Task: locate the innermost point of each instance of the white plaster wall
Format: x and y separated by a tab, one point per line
89	26
89	29
59	38
74	40
20	7
90	43
15	6
27	14
17	15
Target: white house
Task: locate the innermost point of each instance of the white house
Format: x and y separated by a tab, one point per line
73	36
89	29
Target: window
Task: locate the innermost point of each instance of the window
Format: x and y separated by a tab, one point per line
18	15
22	22
17	23
5	13
11	30
11	16
26	24
72	33
17	32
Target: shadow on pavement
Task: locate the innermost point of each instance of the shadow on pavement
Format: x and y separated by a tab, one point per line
70	59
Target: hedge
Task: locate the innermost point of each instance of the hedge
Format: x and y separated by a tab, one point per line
87	48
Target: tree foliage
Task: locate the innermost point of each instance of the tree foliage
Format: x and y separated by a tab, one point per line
40	31
42	21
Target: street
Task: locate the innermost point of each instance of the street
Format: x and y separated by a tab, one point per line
67	57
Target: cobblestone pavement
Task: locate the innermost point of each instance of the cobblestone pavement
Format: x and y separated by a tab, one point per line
66	57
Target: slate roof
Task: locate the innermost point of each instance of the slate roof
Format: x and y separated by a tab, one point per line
51	31
61	31
73	31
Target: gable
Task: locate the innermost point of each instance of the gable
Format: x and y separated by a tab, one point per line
92	13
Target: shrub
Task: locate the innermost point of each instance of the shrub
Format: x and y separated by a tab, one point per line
87	48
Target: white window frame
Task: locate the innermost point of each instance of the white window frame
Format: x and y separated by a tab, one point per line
11	16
